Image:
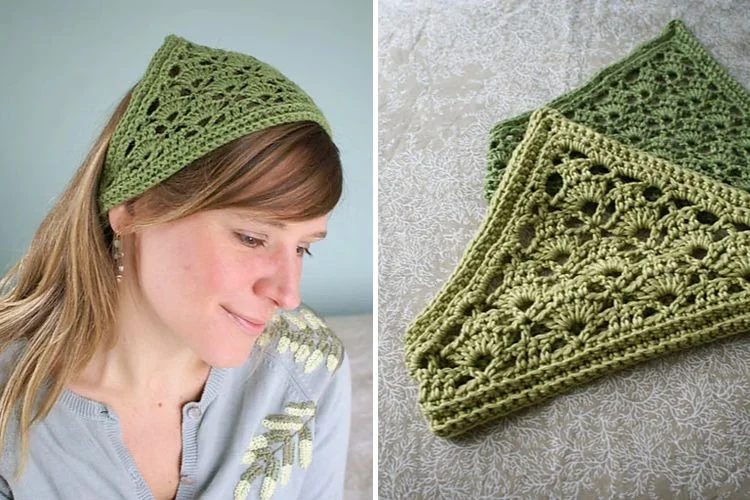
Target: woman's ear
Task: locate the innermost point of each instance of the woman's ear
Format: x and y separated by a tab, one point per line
120	216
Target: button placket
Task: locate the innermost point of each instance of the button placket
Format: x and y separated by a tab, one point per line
192	414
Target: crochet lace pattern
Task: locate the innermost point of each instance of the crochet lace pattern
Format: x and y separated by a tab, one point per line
192	100
593	256
668	97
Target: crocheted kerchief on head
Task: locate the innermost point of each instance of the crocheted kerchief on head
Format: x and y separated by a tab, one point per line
593	256
192	100
668	97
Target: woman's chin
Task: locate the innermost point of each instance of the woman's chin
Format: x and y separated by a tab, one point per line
230	357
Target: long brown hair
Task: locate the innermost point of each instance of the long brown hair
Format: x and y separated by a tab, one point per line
60	297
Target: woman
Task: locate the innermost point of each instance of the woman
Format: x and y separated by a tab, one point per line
153	343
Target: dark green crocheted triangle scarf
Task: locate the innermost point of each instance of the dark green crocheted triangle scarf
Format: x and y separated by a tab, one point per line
668	97
593	256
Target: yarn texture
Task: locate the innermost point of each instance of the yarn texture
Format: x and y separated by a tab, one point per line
669	97
593	256
192	100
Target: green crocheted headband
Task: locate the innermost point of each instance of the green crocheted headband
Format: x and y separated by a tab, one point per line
668	97
192	100
593	256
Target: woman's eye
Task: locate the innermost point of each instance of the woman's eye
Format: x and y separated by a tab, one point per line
250	241
301	251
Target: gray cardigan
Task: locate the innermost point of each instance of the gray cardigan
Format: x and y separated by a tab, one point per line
276	427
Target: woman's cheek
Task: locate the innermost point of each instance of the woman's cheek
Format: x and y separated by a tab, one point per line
231	273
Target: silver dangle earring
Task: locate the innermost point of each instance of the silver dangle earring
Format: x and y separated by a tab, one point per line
117	253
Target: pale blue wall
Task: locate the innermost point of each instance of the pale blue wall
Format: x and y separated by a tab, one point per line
65	64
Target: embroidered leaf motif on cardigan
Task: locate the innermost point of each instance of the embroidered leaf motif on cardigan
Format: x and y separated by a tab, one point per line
271	455
306	336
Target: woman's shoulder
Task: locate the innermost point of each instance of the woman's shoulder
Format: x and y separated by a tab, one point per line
8	359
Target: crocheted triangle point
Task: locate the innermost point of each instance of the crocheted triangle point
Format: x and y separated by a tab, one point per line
669	97
191	100
593	256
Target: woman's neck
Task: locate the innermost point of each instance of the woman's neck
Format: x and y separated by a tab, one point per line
148	363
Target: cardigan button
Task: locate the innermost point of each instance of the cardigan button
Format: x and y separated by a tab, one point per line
194	412
186	480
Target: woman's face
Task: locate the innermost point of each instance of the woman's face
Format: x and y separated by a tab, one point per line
214	279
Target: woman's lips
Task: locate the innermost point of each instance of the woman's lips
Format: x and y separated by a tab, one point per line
250	326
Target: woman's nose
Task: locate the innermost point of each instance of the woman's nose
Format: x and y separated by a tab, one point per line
281	284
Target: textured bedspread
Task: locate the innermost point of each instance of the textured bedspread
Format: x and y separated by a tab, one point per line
675	427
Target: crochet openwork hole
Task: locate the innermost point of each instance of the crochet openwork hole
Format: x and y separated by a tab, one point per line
576	154
667	298
524	303
561	257
649	311
495	281
612	272
720	234
554	184
153	107
451	333
589	207
129	148
609	210
706	217
632	75
573	222
576	327
698	253
626	179
482	360
544	272
538	330
601	97
526	235
557	344
682	203
734	288
642	233
598	169
652	193
462	380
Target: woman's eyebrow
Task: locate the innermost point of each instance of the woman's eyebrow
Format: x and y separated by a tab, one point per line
319	235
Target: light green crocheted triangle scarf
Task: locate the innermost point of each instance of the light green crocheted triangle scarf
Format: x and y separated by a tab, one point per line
593	256
668	97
